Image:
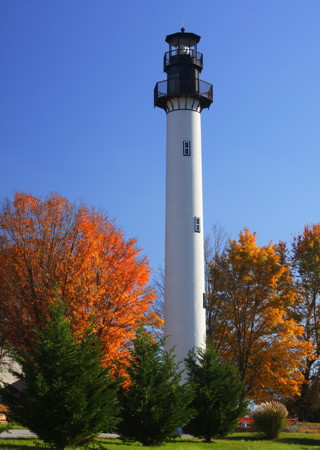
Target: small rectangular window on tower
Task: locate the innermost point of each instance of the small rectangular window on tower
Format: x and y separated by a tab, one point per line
197	224
205	303
186	148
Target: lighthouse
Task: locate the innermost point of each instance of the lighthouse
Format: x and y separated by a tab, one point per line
183	96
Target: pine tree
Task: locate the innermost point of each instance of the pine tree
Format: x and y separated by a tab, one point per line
67	396
218	395
156	404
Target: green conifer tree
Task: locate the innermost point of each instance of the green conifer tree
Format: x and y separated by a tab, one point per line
67	396
156	404
218	395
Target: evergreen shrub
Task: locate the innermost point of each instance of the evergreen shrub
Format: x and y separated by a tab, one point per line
218	400
67	396
156	403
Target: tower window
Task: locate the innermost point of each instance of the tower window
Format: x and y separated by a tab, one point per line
186	148
205	302
197	224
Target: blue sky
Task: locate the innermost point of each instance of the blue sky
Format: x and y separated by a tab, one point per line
77	116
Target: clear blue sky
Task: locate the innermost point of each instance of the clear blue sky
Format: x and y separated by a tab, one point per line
77	116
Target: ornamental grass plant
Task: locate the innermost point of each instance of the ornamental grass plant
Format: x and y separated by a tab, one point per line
270	419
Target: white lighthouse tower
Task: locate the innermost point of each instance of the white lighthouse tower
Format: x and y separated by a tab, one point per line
183	96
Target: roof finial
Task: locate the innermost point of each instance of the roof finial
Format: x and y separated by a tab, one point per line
183	30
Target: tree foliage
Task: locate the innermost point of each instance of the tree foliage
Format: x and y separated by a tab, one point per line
218	390
155	404
251	305
215	244
48	246
305	260
67	397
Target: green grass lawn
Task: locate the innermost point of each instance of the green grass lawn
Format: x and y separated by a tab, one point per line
233	442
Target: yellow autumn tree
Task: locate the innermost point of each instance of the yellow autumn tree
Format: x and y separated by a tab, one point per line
50	248
250	317
305	260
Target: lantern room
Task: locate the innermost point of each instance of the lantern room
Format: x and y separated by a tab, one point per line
183	64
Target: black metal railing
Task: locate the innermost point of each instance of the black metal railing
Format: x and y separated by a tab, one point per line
181	87
183	54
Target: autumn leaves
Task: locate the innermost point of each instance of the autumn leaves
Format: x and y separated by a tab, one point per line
262	301
50	248
253	317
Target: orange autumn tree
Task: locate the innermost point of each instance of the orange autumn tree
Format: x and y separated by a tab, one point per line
49	248
250	309
305	260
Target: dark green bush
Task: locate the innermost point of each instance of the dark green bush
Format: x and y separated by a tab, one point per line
218	395
156	404
67	396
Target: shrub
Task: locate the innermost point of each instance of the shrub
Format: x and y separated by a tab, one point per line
5	427
67	396
218	392
156	404
270	418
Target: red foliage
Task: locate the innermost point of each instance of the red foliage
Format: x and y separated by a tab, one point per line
49	248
